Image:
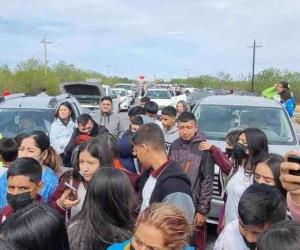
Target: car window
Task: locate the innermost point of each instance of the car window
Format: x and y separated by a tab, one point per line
15	121
121	86
119	92
273	121
158	94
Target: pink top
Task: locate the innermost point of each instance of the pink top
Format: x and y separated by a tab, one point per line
294	208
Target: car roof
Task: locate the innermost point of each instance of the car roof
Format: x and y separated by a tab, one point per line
32	102
235	100
118	89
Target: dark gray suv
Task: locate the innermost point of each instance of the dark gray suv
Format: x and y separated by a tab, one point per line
22	113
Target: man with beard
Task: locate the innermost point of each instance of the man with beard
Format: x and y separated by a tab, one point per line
107	118
260	206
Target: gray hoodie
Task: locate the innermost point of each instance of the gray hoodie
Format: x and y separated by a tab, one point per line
170	135
111	121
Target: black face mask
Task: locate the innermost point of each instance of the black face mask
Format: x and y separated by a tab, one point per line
229	152
250	245
19	201
239	151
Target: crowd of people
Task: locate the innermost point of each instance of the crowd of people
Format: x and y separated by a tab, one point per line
94	183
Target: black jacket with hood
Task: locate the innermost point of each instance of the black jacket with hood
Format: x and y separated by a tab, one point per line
172	186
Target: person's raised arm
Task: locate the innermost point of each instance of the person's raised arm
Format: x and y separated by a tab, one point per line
291	183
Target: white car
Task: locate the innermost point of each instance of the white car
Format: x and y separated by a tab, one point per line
162	97
123	97
129	89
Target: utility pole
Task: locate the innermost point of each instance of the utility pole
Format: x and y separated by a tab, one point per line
254	46
45	42
187	73
107	69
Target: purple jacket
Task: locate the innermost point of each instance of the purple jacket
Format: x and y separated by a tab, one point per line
199	166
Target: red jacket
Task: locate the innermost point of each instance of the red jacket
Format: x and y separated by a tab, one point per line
221	159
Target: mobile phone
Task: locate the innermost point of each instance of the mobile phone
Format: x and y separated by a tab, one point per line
73	194
294	159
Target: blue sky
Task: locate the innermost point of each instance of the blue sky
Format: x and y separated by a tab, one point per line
166	38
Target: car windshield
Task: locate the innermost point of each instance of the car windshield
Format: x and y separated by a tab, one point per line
119	92
121	86
216	121
158	94
16	121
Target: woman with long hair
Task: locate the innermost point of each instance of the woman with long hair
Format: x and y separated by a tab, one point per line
251	147
267	171
37	145
288	102
181	107
36	227
62	127
92	155
107	213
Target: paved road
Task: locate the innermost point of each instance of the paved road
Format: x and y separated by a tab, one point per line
211	228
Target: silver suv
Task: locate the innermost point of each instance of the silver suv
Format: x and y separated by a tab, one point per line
22	113
217	115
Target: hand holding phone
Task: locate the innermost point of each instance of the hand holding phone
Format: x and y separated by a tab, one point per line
294	159
73	194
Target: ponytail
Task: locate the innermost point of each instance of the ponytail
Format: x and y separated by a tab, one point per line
54	161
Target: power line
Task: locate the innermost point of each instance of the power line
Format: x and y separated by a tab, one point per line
45	42
254	46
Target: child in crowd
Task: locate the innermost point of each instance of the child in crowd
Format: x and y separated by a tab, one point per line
260	206
24	184
283	235
163	180
92	155
181	107
268	171
168	120
223	160
144	100
37	145
133	112
36	227
151	112
251	147
8	153
109	202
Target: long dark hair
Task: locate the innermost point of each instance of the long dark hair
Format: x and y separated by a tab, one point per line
36	227
258	149
99	148
69	106
233	135
273	162
42	141
285	95
107	209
